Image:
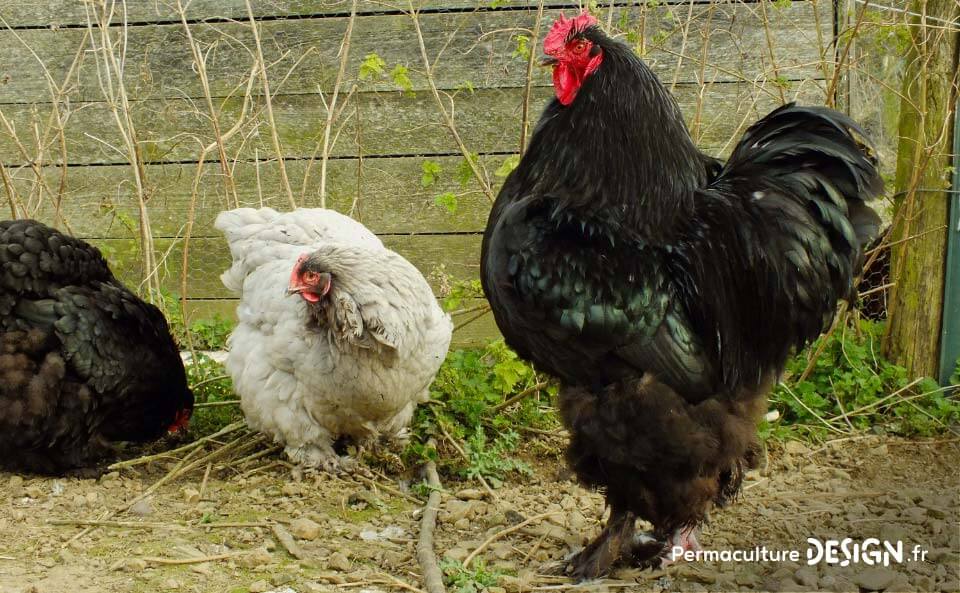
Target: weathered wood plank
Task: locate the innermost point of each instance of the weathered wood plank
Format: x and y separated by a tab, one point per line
100	201
458	256
390	124
475	333
477	47
57	13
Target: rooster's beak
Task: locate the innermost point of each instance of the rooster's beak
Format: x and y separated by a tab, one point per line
549	61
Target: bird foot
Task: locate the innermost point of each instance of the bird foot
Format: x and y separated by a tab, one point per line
658	555
314	458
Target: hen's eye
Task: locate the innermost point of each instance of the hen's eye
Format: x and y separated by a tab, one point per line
311	277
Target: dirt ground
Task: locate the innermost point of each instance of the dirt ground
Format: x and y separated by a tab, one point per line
356	536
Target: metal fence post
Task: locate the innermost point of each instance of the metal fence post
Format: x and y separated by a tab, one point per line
950	331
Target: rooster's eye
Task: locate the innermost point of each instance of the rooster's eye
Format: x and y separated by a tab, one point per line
579	46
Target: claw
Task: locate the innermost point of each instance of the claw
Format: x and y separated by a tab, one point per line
682	540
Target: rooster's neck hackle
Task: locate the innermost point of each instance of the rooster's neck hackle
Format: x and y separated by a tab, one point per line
620	151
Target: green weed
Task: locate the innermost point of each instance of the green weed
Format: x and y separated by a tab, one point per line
210	383
468	580
853	388
466	404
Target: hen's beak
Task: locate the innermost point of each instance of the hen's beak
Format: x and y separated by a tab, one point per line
298	286
549	61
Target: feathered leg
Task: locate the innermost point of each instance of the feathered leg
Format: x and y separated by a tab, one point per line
600	555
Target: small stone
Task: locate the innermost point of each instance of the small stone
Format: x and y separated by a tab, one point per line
255	558
171	584
937	513
136	565
117	565
806	576
952	586
109	477
281	579
875	578
944	556
290	489
470	494
839	473
34	491
914	514
305	529
339	561
190	495
842	584
462	524
576	521
259	587
790	585
501	550
796	448
15	482
457	509
457	554
496	590
202	568
142	508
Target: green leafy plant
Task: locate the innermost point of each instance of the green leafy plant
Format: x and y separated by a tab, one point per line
492	460
400	76
468	580
372	66
508	165
211	334
210	384
851	387
467	404
447	200
431	172
523	47
464	170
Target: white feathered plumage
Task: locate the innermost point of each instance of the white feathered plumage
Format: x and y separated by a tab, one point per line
351	359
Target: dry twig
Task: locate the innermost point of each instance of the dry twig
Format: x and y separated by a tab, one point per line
429	567
504	532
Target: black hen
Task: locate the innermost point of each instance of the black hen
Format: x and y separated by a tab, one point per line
664	288
83	361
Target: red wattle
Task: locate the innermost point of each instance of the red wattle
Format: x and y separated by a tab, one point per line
565	83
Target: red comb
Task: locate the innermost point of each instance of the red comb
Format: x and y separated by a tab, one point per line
562	29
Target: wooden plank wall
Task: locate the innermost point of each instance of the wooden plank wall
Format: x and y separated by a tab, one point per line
66	127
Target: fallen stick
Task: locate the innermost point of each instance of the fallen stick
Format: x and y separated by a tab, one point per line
286	540
155	524
117	524
503	532
426	557
385	488
195	560
167	454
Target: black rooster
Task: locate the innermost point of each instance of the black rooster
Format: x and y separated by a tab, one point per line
83	361
664	288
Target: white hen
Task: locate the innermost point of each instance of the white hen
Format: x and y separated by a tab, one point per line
337	335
